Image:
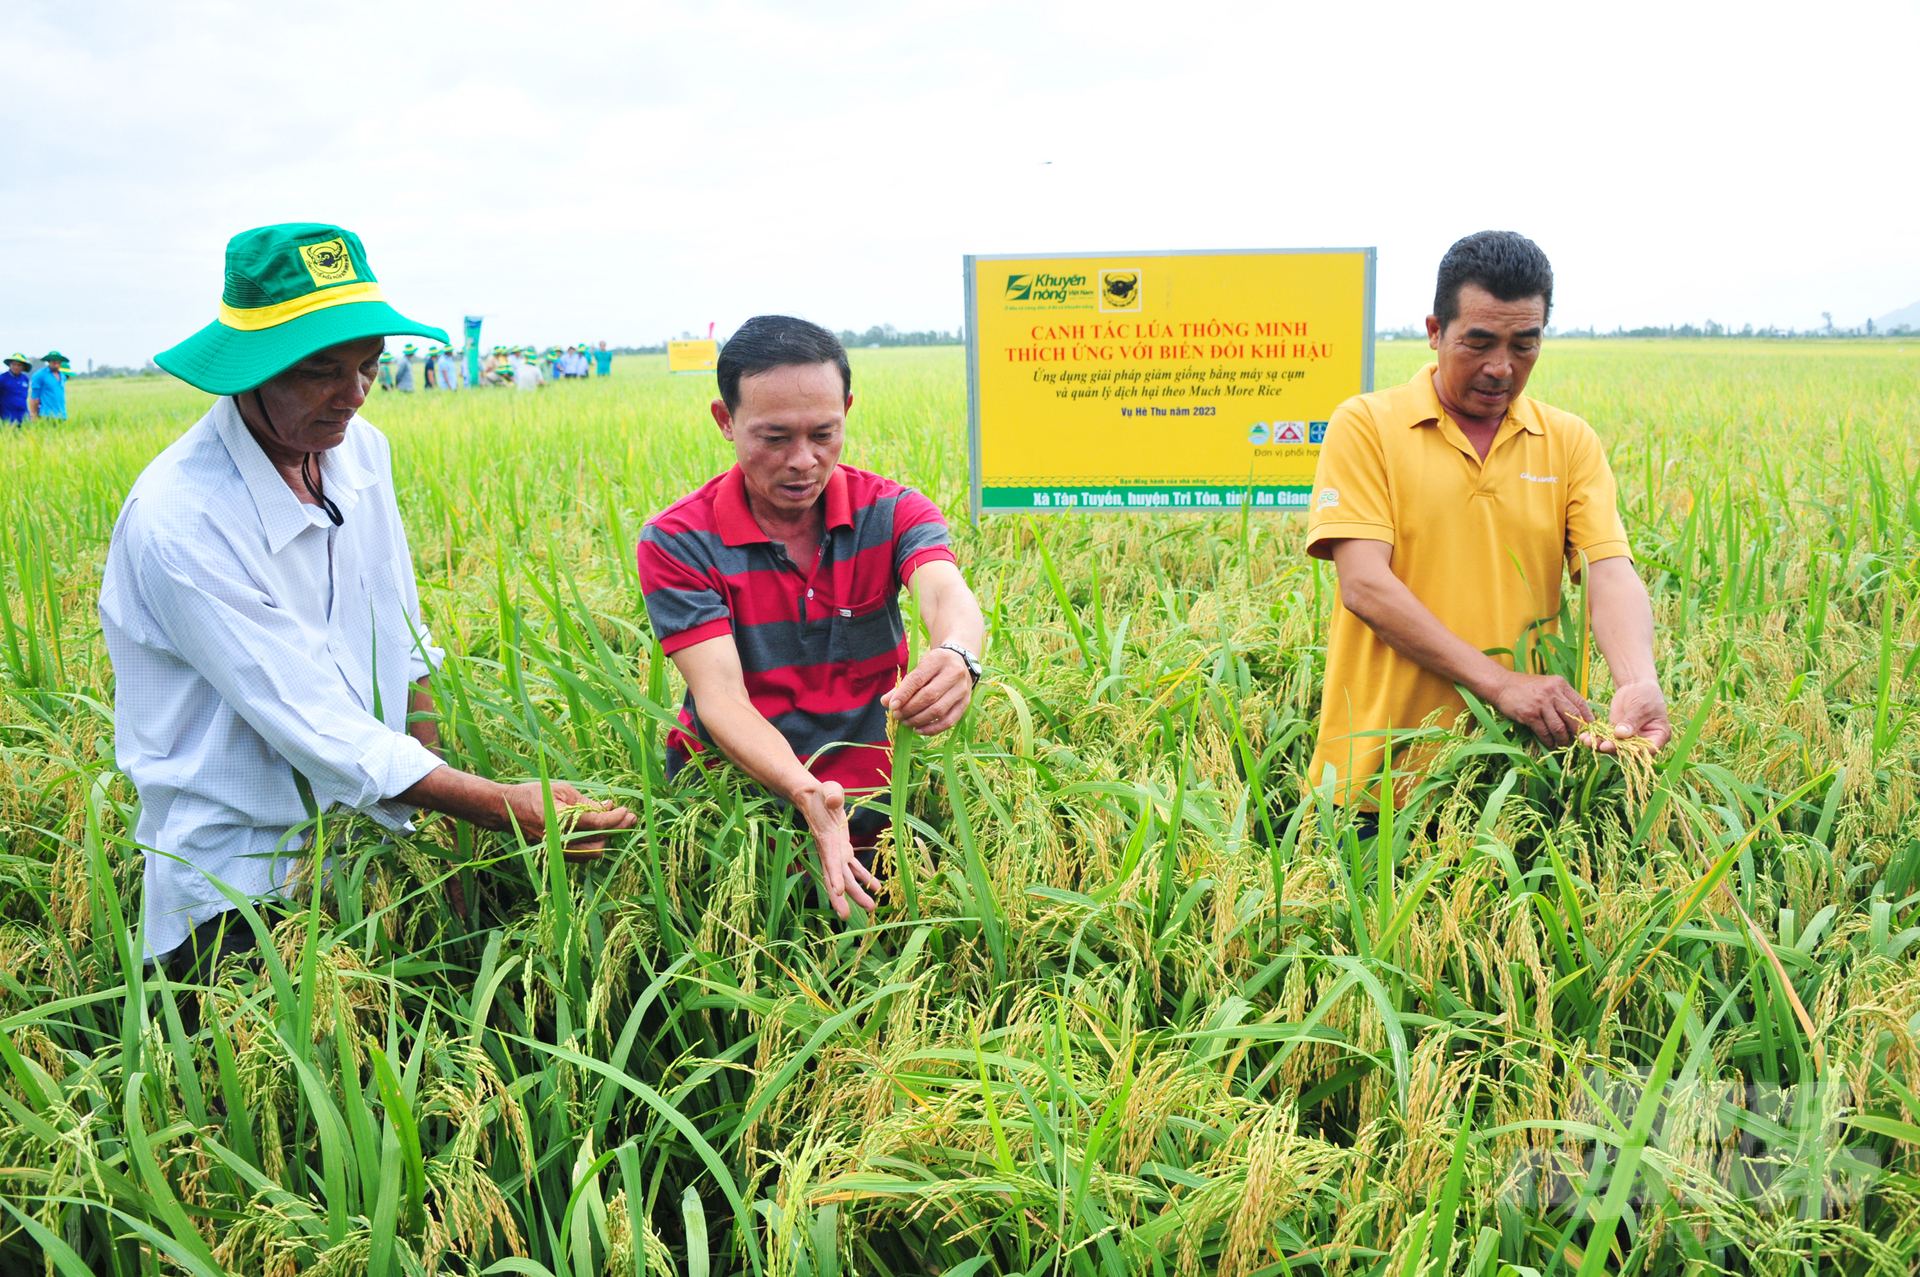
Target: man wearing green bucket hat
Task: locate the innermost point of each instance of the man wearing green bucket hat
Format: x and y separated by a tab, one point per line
260	609
47	388
13	389
403	368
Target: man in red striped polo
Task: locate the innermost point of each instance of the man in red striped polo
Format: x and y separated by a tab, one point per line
775	589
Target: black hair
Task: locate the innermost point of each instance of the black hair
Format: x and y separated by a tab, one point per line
1505	263
766	342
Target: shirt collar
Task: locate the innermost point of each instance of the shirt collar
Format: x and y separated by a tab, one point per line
1427	401
735	520
281	513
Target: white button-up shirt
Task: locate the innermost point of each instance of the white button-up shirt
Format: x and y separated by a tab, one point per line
249	638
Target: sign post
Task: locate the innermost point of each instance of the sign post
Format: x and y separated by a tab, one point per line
1172	381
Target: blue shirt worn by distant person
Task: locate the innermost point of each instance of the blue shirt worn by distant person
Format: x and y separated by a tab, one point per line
403	374
13	396
51	390
603	359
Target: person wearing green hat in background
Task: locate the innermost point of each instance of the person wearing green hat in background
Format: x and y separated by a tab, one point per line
526	371
403	368
260	609
386	371
47	388
13	389
603	360
447	369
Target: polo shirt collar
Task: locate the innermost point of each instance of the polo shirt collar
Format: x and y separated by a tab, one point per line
282	516
839	508
735	520
1520	411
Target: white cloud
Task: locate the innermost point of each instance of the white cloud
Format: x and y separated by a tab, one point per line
628	171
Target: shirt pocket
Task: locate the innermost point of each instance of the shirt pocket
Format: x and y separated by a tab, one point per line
865	631
373	641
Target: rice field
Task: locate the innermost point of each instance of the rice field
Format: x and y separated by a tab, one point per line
1136	1002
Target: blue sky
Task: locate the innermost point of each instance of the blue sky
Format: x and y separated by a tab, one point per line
628	171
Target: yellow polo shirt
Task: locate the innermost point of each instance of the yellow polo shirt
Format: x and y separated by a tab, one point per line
1481	544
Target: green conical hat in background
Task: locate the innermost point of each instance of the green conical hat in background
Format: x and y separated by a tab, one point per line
291	290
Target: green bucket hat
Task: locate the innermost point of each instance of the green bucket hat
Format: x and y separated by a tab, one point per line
17	358
54	357
291	290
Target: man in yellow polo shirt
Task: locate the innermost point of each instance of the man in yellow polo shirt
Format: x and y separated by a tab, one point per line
1448	507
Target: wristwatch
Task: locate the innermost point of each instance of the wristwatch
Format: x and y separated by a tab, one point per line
973	662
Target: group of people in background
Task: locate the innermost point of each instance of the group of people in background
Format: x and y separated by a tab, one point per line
522	367
26	391
37	388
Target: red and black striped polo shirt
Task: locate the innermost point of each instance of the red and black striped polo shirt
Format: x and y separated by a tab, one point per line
819	646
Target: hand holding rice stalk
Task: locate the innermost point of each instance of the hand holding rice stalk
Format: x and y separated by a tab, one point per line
569	816
1634	727
584	823
1633	751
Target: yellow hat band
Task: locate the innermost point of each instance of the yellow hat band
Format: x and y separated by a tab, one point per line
254	318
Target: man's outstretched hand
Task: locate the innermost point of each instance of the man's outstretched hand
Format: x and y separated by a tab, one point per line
491	805
1638	709
593	819
825	809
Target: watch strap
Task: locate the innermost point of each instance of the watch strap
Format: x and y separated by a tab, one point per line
972	661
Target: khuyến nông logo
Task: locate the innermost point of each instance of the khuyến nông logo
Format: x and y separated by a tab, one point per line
1048	290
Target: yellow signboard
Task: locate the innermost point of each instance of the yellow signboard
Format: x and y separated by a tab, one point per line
692	356
1160	381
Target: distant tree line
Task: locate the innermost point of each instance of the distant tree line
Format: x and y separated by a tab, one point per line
1712	329
888	335
1709	329
150	369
